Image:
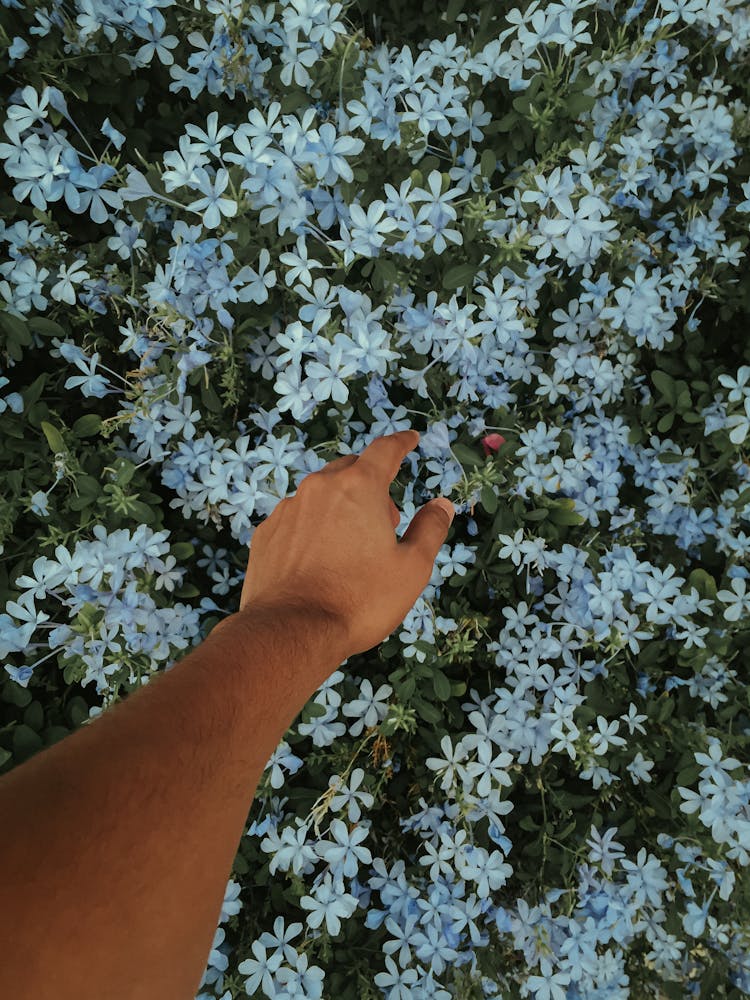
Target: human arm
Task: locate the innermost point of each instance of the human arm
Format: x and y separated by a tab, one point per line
116	844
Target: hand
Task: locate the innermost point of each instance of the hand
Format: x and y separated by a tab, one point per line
333	546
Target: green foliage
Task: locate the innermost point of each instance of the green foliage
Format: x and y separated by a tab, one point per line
72	449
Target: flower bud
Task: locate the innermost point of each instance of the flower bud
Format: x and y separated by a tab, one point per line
492	442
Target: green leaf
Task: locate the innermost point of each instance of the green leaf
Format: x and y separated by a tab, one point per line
45	327
666	708
506	123
466	455
385	272
714	978
684	400
489	499
460	276
54	437
564	512
488	163
124	471
540	514
567	830
89	490
15	327
34	716
314	710
53	734
703	582
209	398
441	685
665	384
636	435
406	688
25	742
87	425
580	104
665	422
428	712
14	694
670	457
34	391
77	711
142	511
182	551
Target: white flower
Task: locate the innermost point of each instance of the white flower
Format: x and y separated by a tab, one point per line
738	601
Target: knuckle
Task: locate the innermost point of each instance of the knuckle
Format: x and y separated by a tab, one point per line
360	474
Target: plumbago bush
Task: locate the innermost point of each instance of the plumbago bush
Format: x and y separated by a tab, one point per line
239	240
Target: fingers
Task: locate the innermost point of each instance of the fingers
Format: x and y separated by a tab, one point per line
383	456
427	532
343	462
337	463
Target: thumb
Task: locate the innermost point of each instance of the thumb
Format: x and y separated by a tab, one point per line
429	528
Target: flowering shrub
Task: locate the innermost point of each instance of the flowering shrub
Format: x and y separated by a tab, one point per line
240	240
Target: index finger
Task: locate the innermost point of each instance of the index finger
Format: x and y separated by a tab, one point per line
385	454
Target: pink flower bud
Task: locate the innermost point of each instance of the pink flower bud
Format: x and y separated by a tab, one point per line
492	442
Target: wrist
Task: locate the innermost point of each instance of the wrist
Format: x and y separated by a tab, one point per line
314	633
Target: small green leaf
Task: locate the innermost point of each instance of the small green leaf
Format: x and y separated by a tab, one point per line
182	551
34	391
406	688
636	435
15	327
488	163
665	384
14	694
45	327
142	511
53	734
466	455
385	272
665	422
34	716
209	398
489	499
540	514
580	104
54	437
87	425
124	471
562	516
441	685
666	708
428	712
684	400
460	276
703	582
89	490
25	742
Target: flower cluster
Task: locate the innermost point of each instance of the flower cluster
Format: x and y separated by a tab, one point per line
526	221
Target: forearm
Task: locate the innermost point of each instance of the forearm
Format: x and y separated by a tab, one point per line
116	844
